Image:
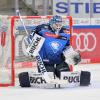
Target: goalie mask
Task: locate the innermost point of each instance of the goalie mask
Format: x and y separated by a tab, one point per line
56	23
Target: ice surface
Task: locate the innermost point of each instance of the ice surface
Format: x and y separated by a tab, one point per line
91	92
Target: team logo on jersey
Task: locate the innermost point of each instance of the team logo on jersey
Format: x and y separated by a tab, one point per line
55	46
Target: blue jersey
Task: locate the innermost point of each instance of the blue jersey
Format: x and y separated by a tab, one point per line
53	46
51	52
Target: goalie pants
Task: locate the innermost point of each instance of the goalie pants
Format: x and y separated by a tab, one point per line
56	69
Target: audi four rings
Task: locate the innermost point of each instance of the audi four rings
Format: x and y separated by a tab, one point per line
86	41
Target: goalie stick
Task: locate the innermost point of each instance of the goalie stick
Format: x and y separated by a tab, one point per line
40	62
18	13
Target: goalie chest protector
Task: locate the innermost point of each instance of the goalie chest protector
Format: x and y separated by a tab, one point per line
52	50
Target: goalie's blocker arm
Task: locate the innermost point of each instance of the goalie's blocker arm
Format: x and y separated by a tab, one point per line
35	46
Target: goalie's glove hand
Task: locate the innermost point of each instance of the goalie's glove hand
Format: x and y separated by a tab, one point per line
77	59
72	57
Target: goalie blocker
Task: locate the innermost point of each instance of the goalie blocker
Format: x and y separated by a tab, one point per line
32	79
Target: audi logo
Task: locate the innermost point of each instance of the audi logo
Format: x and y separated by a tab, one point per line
85	41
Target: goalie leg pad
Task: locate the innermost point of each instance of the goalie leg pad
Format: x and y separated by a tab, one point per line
85	78
24	79
35	79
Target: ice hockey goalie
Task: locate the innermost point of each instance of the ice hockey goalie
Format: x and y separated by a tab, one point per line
50	45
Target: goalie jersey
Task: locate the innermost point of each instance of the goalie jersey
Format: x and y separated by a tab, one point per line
52	49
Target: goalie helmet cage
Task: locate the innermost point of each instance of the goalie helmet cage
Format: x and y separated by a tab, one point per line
15	22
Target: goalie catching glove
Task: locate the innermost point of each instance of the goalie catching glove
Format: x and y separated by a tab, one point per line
72	57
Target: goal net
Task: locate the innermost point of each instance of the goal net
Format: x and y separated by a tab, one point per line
16	57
